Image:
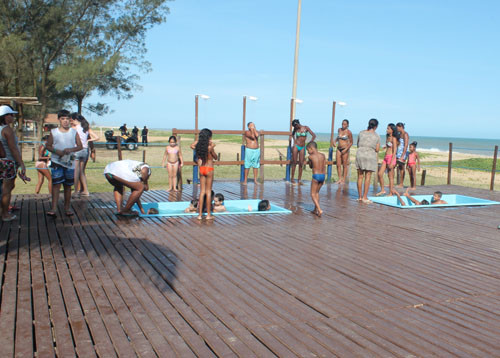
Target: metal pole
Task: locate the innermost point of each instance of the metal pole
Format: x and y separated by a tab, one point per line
333	124
289	149
196	117
494	168
296	58
242	167
448	182
195	167
244	118
330	151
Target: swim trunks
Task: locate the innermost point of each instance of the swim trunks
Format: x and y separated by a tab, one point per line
320	178
252	158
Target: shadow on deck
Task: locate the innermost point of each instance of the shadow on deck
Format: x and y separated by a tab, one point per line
362	281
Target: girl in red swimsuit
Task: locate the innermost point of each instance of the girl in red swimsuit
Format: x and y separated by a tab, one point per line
206	155
413	165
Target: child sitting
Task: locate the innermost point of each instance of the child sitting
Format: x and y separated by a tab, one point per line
193	206
219	203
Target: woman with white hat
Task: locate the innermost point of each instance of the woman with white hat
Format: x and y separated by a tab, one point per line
12	161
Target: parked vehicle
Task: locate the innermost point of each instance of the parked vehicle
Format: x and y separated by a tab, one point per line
127	141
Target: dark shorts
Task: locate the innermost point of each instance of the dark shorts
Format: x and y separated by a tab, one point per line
62	175
8	169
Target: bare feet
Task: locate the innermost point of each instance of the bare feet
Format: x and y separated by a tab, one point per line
244	183
367	201
380	193
340	181
168	190
400	186
319	212
199	217
414	188
292	181
210	217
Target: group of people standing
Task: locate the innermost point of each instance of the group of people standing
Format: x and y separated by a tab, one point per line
135	133
399	156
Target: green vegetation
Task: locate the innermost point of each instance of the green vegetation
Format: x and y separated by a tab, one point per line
65	51
471	163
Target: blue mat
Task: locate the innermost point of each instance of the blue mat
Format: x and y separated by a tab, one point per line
451	199
233	207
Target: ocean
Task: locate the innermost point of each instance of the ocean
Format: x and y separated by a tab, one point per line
441	144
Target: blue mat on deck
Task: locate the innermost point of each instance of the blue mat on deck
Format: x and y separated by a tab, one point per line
233	207
451	199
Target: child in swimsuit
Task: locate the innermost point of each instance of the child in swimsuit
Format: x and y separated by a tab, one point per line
173	160
219	203
317	162
42	166
413	165
193	206
389	162
206	155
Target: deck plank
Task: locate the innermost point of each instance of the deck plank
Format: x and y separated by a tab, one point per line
362	281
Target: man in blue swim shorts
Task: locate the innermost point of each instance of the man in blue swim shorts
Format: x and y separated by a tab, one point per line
252	152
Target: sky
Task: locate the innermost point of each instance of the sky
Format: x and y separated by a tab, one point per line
433	65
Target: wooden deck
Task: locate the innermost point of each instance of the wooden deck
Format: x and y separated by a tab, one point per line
362	281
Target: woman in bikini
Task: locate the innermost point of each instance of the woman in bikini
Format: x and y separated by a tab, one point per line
389	162
173	160
206	155
344	139
42	166
299	135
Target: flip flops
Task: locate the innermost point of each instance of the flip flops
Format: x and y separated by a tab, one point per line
23	177
10	218
51	214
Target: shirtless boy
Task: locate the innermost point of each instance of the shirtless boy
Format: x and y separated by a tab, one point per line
317	162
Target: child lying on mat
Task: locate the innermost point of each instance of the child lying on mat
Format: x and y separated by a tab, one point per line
436	198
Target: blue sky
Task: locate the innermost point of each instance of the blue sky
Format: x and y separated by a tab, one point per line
430	64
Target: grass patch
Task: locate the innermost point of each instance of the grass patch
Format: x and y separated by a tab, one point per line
471	163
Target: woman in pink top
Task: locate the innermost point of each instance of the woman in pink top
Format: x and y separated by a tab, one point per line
173	161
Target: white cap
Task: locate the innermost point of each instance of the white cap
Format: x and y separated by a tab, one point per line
6	110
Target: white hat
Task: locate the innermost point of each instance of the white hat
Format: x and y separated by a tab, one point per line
6	110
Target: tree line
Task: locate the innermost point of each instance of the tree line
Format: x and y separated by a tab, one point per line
62	51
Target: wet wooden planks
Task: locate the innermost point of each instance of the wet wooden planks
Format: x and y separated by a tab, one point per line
363	280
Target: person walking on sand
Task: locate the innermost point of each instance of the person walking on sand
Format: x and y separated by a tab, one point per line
366	158
11	162
63	142
402	152
317	162
206	155
299	135
252	152
389	162
133	175
172	159
345	141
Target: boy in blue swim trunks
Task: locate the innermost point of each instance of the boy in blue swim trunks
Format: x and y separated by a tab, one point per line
317	162
252	152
